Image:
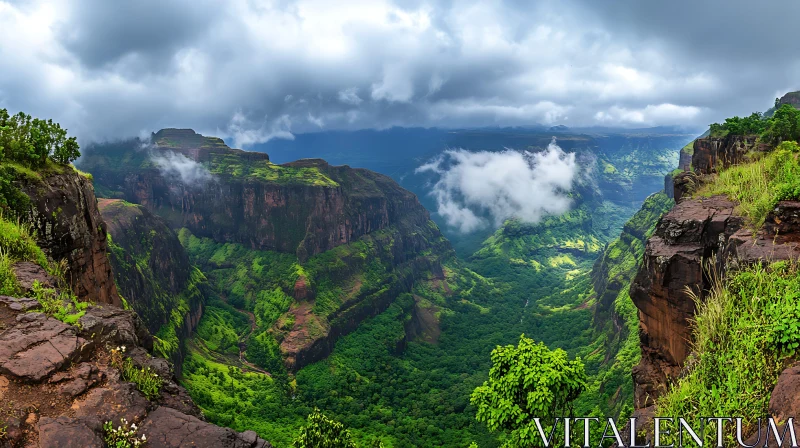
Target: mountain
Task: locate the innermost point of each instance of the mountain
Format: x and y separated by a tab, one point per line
74	365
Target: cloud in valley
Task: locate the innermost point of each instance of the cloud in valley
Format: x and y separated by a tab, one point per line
175	164
253	70
475	189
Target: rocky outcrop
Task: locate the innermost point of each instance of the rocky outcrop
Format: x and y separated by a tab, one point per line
711	154
697	237
69	227
153	272
58	388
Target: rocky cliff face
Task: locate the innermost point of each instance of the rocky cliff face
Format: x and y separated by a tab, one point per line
697	238
153	273
69	227
305	207
59	388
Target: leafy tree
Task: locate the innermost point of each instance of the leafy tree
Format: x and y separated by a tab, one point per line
323	432
526	382
31	141
784	125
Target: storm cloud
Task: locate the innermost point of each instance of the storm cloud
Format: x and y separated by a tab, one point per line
253	70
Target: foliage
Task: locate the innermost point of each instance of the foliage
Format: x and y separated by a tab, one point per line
745	332
782	125
323	432
758	186
123	436
146	380
32	141
62	304
234	165
526	382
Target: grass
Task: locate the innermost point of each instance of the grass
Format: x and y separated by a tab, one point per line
62	305
146	380
232	165
745	333
758	185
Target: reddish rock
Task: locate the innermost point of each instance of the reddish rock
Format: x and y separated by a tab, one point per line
302	291
168	428
112	403
38	346
66	432
68	226
693	233
711	155
28	273
77	380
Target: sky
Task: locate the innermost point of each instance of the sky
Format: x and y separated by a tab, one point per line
253	70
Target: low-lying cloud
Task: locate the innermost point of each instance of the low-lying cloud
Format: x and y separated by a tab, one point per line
475	189
178	165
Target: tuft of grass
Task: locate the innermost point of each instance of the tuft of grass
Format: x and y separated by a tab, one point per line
758	186
745	333
18	242
62	305
146	380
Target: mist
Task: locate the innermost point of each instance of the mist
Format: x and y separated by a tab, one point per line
477	189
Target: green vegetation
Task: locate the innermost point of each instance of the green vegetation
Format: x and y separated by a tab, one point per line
17	243
123	436
146	380
757	186
526	382
781	126
62	305
322	432
31	141
235	165
745	333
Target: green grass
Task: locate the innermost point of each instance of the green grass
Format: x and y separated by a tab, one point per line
757	186
232	165
146	380
62	305
745	332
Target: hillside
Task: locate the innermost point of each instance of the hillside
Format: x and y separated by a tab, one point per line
715	291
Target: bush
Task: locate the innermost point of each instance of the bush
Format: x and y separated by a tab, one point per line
61	305
123	436
146	380
322	432
745	333
31	141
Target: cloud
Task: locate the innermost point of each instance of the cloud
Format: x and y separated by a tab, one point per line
244	132
475	189
108	71
175	164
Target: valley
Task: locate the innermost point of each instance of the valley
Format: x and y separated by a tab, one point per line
368	313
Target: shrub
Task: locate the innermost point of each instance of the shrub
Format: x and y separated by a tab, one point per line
61	305
123	436
146	380
323	432
745	332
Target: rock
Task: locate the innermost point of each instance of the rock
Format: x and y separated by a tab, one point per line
27	273
77	380
20	304
67	433
115	326
69	227
175	397
713	154
785	399
14	433
3	386
113	402
301	289
168	428
39	346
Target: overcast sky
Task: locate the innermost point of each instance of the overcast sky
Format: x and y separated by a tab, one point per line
250	70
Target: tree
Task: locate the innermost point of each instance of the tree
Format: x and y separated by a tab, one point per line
323	432
525	382
784	125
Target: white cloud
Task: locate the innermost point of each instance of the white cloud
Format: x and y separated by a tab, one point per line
477	188
175	164
244	132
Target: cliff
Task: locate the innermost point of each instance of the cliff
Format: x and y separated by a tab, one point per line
70	371
695	244
63	211
305	207
153	275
